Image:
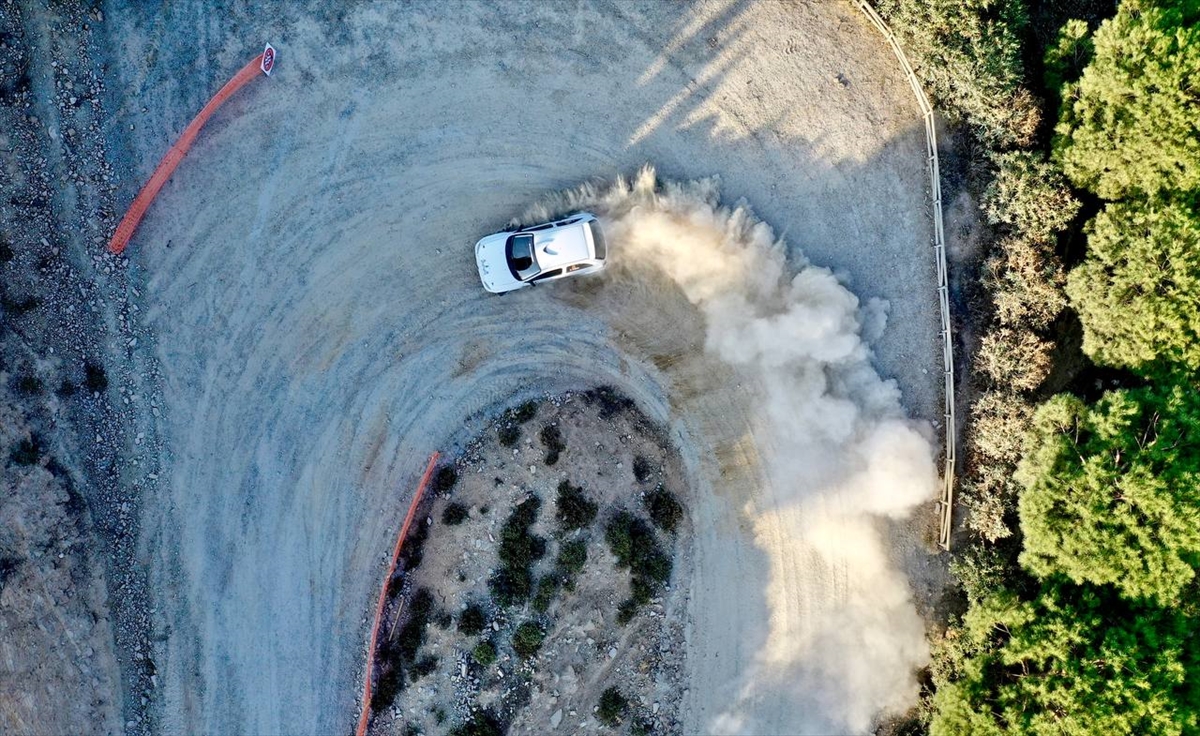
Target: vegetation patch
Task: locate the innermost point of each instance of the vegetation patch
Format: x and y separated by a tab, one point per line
484	654
552	439
454	514
520	548
664	509
641	469
524	413
445	479
527	640
28	452
398	655
472	620
612	707
573	509
509	434
636	547
94	378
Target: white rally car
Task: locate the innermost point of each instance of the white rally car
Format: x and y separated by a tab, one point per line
572	246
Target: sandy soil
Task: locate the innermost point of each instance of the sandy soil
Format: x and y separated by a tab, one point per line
319	328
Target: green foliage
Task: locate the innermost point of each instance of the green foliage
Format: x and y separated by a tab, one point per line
472	620
520	548
999	422
1074	662
1138	291
573	510
525	412
1131	124
1014	358
484	653
664	509
1025	278
1066	59
636	547
641	469
544	594
1112	491
454	514
28	452
482	723
969	53
572	557
1029	195
527	640
398	657
508	434
445	479
552	439
612	707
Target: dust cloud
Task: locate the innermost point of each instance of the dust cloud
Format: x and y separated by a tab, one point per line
835	448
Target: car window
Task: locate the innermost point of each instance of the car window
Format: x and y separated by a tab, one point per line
520	256
547	275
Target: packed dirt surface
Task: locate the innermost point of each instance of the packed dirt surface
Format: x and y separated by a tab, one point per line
317	326
617	461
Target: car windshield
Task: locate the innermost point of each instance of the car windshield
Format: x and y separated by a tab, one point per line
520	257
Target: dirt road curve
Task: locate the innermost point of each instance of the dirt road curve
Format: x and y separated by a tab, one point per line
320	329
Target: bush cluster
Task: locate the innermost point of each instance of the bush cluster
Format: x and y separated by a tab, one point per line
520	549
635	545
573	509
472	620
398	655
664	509
612	707
454	514
527	640
445	479
551	438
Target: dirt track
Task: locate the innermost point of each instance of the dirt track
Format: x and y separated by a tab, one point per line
319	326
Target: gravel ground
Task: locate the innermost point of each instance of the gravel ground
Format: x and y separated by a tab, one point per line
316	326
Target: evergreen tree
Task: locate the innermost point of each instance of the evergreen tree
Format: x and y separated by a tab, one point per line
1073	662
1138	291
1112	491
1131	124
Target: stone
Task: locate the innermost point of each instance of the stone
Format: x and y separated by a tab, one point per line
556	718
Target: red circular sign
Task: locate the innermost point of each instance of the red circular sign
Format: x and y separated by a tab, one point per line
268	60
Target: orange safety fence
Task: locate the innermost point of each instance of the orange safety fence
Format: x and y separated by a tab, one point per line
387	581
263	63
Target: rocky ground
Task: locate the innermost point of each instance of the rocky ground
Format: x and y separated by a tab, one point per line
616	456
73	597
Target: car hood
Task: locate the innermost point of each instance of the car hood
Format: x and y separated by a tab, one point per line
493	265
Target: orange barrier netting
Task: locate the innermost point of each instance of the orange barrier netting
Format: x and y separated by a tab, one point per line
387	581
261	63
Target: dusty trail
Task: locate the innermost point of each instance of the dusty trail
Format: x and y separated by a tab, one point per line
309	277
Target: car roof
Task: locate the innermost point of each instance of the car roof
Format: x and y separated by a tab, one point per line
561	246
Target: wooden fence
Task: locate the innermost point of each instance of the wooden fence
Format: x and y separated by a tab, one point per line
946	503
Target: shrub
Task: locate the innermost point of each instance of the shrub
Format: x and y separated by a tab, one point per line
94	377
636	547
482	723
612	707
1029	195
484	653
525	412
454	514
1027	283
472	620
627	611
527	640
572	556
969	53
445	479
509	434
641	469
663	508
519	550
398	655
28	452
1014	359
543	596
573	510
552	438
999	422
29	385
